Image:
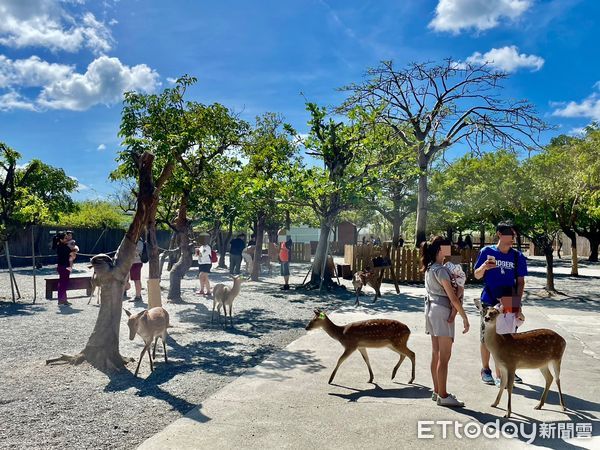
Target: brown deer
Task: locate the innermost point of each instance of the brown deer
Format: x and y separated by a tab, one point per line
372	333
150	324
535	349
366	277
224	296
95	283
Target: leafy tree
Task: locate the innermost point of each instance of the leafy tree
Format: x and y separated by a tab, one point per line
341	183
29	195
271	155
94	214
444	104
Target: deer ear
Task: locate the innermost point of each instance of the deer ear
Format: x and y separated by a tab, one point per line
127	312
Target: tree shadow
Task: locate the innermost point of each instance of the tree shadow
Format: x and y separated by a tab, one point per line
8	309
150	387
67	310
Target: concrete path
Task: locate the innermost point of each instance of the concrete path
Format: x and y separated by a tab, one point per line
285	402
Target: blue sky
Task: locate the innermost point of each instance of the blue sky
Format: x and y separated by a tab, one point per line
64	64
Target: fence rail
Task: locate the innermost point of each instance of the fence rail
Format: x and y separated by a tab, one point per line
405	261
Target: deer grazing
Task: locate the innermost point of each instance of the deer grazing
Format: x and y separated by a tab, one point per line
150	324
536	349
373	333
224	296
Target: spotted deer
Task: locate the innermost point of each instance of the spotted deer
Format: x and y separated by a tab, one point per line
372	333
150	324
366	277
536	349
95	283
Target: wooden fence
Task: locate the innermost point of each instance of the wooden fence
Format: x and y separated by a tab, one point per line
300	252
405	261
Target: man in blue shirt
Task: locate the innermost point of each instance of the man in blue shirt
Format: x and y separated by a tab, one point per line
496	265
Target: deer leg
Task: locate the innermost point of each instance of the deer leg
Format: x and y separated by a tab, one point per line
163	338
556	369
212	316
343	358
511	382
503	383
140	360
363	352
154	350
356	303
404	351
548	377
230	318
150	357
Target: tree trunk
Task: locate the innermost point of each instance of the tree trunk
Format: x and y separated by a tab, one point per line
396	224
256	267
422	197
167	254
102	348
482	236
574	262
321	256
288	220
223	241
594	243
549	253
519	242
450	234
181	267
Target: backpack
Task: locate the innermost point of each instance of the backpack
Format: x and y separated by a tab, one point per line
144	257
213	256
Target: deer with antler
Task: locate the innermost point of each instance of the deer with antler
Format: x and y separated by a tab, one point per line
372	333
536	349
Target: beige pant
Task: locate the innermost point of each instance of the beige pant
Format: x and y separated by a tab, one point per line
248	260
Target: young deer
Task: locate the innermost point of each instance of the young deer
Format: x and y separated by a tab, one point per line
95	286
373	333
224	296
367	277
535	349
149	324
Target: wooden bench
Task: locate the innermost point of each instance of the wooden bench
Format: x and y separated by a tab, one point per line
74	283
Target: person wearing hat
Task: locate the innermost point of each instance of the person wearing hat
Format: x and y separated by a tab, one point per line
503	270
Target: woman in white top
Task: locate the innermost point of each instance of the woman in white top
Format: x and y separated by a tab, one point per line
204	266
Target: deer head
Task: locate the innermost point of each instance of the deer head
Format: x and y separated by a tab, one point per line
490	316
317	321
102	264
133	322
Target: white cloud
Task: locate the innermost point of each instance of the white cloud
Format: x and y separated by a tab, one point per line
101	147
588	108
507	59
456	15
48	24
13	100
80	185
30	72
171	80
105	81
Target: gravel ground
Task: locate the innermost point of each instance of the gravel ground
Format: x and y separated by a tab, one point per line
64	406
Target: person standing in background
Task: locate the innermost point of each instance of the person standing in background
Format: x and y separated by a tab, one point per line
236	248
59	243
204	266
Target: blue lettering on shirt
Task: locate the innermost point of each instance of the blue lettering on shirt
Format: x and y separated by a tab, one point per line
497	281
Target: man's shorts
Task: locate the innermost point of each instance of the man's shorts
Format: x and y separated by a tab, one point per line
135	273
285	269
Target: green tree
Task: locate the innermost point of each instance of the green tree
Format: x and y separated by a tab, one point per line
33	194
271	157
94	214
443	104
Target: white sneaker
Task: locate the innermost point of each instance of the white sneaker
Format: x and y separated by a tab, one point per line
451	400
